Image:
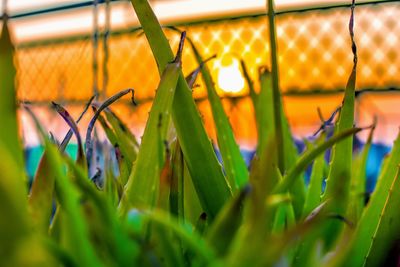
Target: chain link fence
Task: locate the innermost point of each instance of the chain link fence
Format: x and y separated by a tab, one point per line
314	56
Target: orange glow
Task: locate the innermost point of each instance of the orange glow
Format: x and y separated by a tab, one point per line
230	78
311	59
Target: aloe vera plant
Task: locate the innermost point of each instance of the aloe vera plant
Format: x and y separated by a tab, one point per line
9	100
142	186
208	179
338	182
171	203
234	164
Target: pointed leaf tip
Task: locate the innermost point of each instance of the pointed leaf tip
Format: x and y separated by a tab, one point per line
178	57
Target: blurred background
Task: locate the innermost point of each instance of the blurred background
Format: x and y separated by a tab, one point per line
69	50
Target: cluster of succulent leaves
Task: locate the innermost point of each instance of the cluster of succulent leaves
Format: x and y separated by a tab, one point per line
171	203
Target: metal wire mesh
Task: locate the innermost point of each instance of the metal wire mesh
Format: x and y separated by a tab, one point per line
62	71
314	56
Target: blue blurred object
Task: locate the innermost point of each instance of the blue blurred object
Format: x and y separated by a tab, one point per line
33	155
375	157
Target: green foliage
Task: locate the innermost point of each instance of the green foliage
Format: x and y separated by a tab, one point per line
358	181
143	184
371	217
207	176
314	192
170	204
234	165
339	177
8	100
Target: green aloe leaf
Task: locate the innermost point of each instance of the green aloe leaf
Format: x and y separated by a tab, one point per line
165	178
124	165
177	174
41	195
169	246
8	101
96	212
121	139
111	136
205	170
281	246
304	249
309	155
234	165
298	190
371	217
339	177
195	243
111	240
359	181
252	92
258	217
276	94
16	235
284	216
201	223
143	184
224	228
314	192
123	127
191	202
20	245
75	237
126	140
14	229
112	187
388	230
42	190
286	149
264	110
60	254
104	105
106	234
264	107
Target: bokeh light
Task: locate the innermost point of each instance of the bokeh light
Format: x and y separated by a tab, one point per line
230	78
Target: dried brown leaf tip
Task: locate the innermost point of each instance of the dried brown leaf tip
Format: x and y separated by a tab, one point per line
104	105
178	58
351	30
